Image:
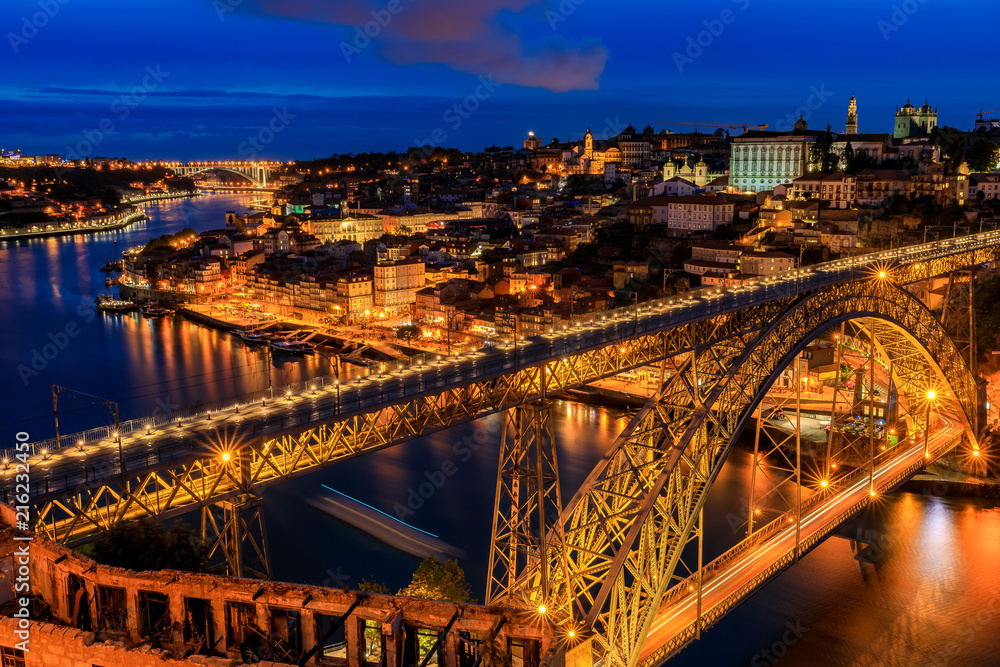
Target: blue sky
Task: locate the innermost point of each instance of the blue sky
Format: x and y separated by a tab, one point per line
185	79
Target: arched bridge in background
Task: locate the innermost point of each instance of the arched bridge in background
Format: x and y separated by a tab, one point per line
257	173
615	575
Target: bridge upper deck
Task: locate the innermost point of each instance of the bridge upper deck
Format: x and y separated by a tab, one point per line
180	435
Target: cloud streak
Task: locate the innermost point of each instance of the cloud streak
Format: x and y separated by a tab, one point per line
468	36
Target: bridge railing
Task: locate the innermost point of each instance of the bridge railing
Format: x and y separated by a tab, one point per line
591	330
717	611
769	530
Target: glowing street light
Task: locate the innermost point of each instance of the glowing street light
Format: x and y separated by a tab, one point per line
927	428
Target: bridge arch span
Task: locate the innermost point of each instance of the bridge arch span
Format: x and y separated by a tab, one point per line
620	539
255	181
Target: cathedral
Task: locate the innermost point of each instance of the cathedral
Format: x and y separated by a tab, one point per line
911	121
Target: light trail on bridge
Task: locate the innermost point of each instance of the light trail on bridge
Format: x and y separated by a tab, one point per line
677	617
648	317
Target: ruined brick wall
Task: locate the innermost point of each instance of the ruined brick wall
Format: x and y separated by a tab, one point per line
61	646
106	616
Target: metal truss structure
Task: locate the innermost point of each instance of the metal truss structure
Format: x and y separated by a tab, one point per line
234	532
626	528
600	571
528	498
958	313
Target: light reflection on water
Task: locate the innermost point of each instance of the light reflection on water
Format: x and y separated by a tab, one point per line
937	588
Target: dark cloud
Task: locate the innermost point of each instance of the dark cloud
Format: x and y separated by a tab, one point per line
468	36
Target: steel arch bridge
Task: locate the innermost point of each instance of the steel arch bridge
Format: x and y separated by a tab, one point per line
613	559
616	548
256	172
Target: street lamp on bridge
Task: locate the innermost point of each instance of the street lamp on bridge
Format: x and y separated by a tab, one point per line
927	426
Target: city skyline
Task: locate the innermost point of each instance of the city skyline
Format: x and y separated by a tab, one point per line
225	68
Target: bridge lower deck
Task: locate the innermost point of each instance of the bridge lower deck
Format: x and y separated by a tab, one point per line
737	574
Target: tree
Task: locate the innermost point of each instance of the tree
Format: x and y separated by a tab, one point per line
373	587
858	161
983	156
848	154
433	581
821	154
409	332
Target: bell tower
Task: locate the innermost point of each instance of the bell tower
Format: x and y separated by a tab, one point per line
852	116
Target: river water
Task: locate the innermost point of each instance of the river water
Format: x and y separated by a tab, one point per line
930	595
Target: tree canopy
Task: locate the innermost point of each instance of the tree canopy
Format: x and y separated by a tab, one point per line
439	581
983	156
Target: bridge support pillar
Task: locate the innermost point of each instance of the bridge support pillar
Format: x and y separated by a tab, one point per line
527	501
235	531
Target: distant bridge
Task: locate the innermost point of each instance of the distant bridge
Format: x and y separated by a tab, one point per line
257	172
613	580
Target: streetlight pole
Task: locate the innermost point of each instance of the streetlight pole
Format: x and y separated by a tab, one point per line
112	406
927	425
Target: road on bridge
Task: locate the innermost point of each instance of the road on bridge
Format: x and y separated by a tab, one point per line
682	613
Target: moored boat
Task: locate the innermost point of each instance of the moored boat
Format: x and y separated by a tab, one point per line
291	346
252	336
110	304
153	310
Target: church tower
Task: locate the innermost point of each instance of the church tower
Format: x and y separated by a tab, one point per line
852	116
588	144
701	174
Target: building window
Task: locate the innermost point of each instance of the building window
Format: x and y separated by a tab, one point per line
12	657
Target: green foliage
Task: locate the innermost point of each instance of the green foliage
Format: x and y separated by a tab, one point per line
845	372
168	239
409	332
983	156
856	161
821	154
146	545
434	581
373	586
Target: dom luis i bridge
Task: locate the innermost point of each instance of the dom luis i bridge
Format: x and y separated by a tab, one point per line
613	572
